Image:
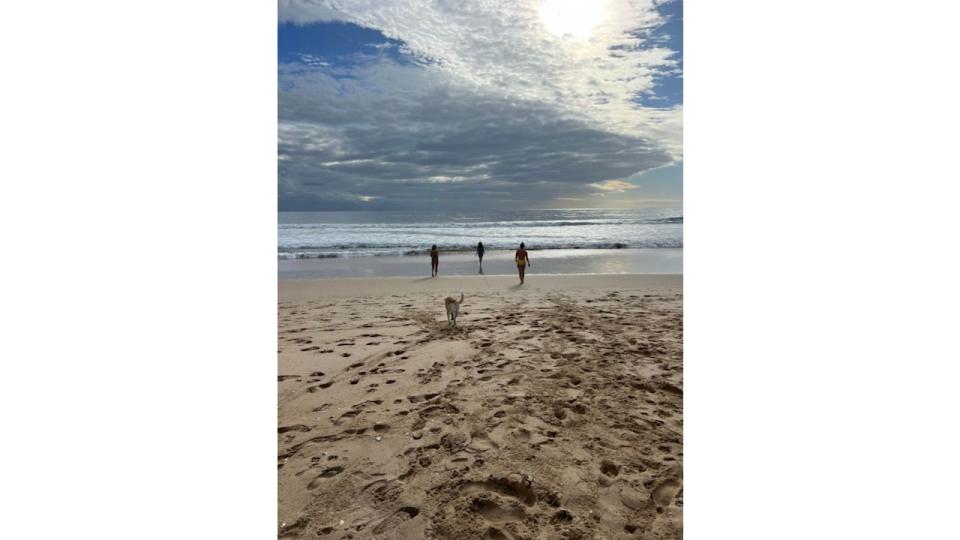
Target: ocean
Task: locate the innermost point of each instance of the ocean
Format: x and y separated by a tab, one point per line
376	244
311	235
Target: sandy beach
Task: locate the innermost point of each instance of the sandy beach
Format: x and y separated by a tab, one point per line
552	410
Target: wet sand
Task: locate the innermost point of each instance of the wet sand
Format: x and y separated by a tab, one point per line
552	410
548	261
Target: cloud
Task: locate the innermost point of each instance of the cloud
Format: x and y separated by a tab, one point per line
489	106
615	186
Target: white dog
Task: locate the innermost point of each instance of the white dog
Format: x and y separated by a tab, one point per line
453	309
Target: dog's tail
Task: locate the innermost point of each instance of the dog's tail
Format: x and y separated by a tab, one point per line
461	299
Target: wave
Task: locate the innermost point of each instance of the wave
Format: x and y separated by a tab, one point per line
372	234
368	250
678	219
484	224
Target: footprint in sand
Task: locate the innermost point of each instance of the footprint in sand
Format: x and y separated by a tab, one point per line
494	533
481	442
522	434
561	516
664	493
318	387
502	486
327	473
609	468
397	519
493	509
424	397
298	427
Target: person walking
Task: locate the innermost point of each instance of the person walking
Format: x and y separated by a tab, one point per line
434	261
480	254
523	260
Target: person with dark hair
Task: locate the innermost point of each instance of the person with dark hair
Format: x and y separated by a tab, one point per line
480	254
523	260
434	261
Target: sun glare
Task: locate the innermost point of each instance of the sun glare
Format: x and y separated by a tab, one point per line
572	18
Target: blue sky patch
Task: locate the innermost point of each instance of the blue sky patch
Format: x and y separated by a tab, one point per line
668	90
334	44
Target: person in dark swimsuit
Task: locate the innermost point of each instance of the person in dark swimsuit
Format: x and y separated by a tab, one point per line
523	261
480	254
434	261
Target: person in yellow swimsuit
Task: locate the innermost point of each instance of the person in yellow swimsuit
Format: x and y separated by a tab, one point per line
523	260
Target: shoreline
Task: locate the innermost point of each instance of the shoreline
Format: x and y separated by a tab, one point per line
496	263
300	255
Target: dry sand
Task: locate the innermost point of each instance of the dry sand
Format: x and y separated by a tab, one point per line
552	411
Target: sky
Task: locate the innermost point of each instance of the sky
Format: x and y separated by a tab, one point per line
446	104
